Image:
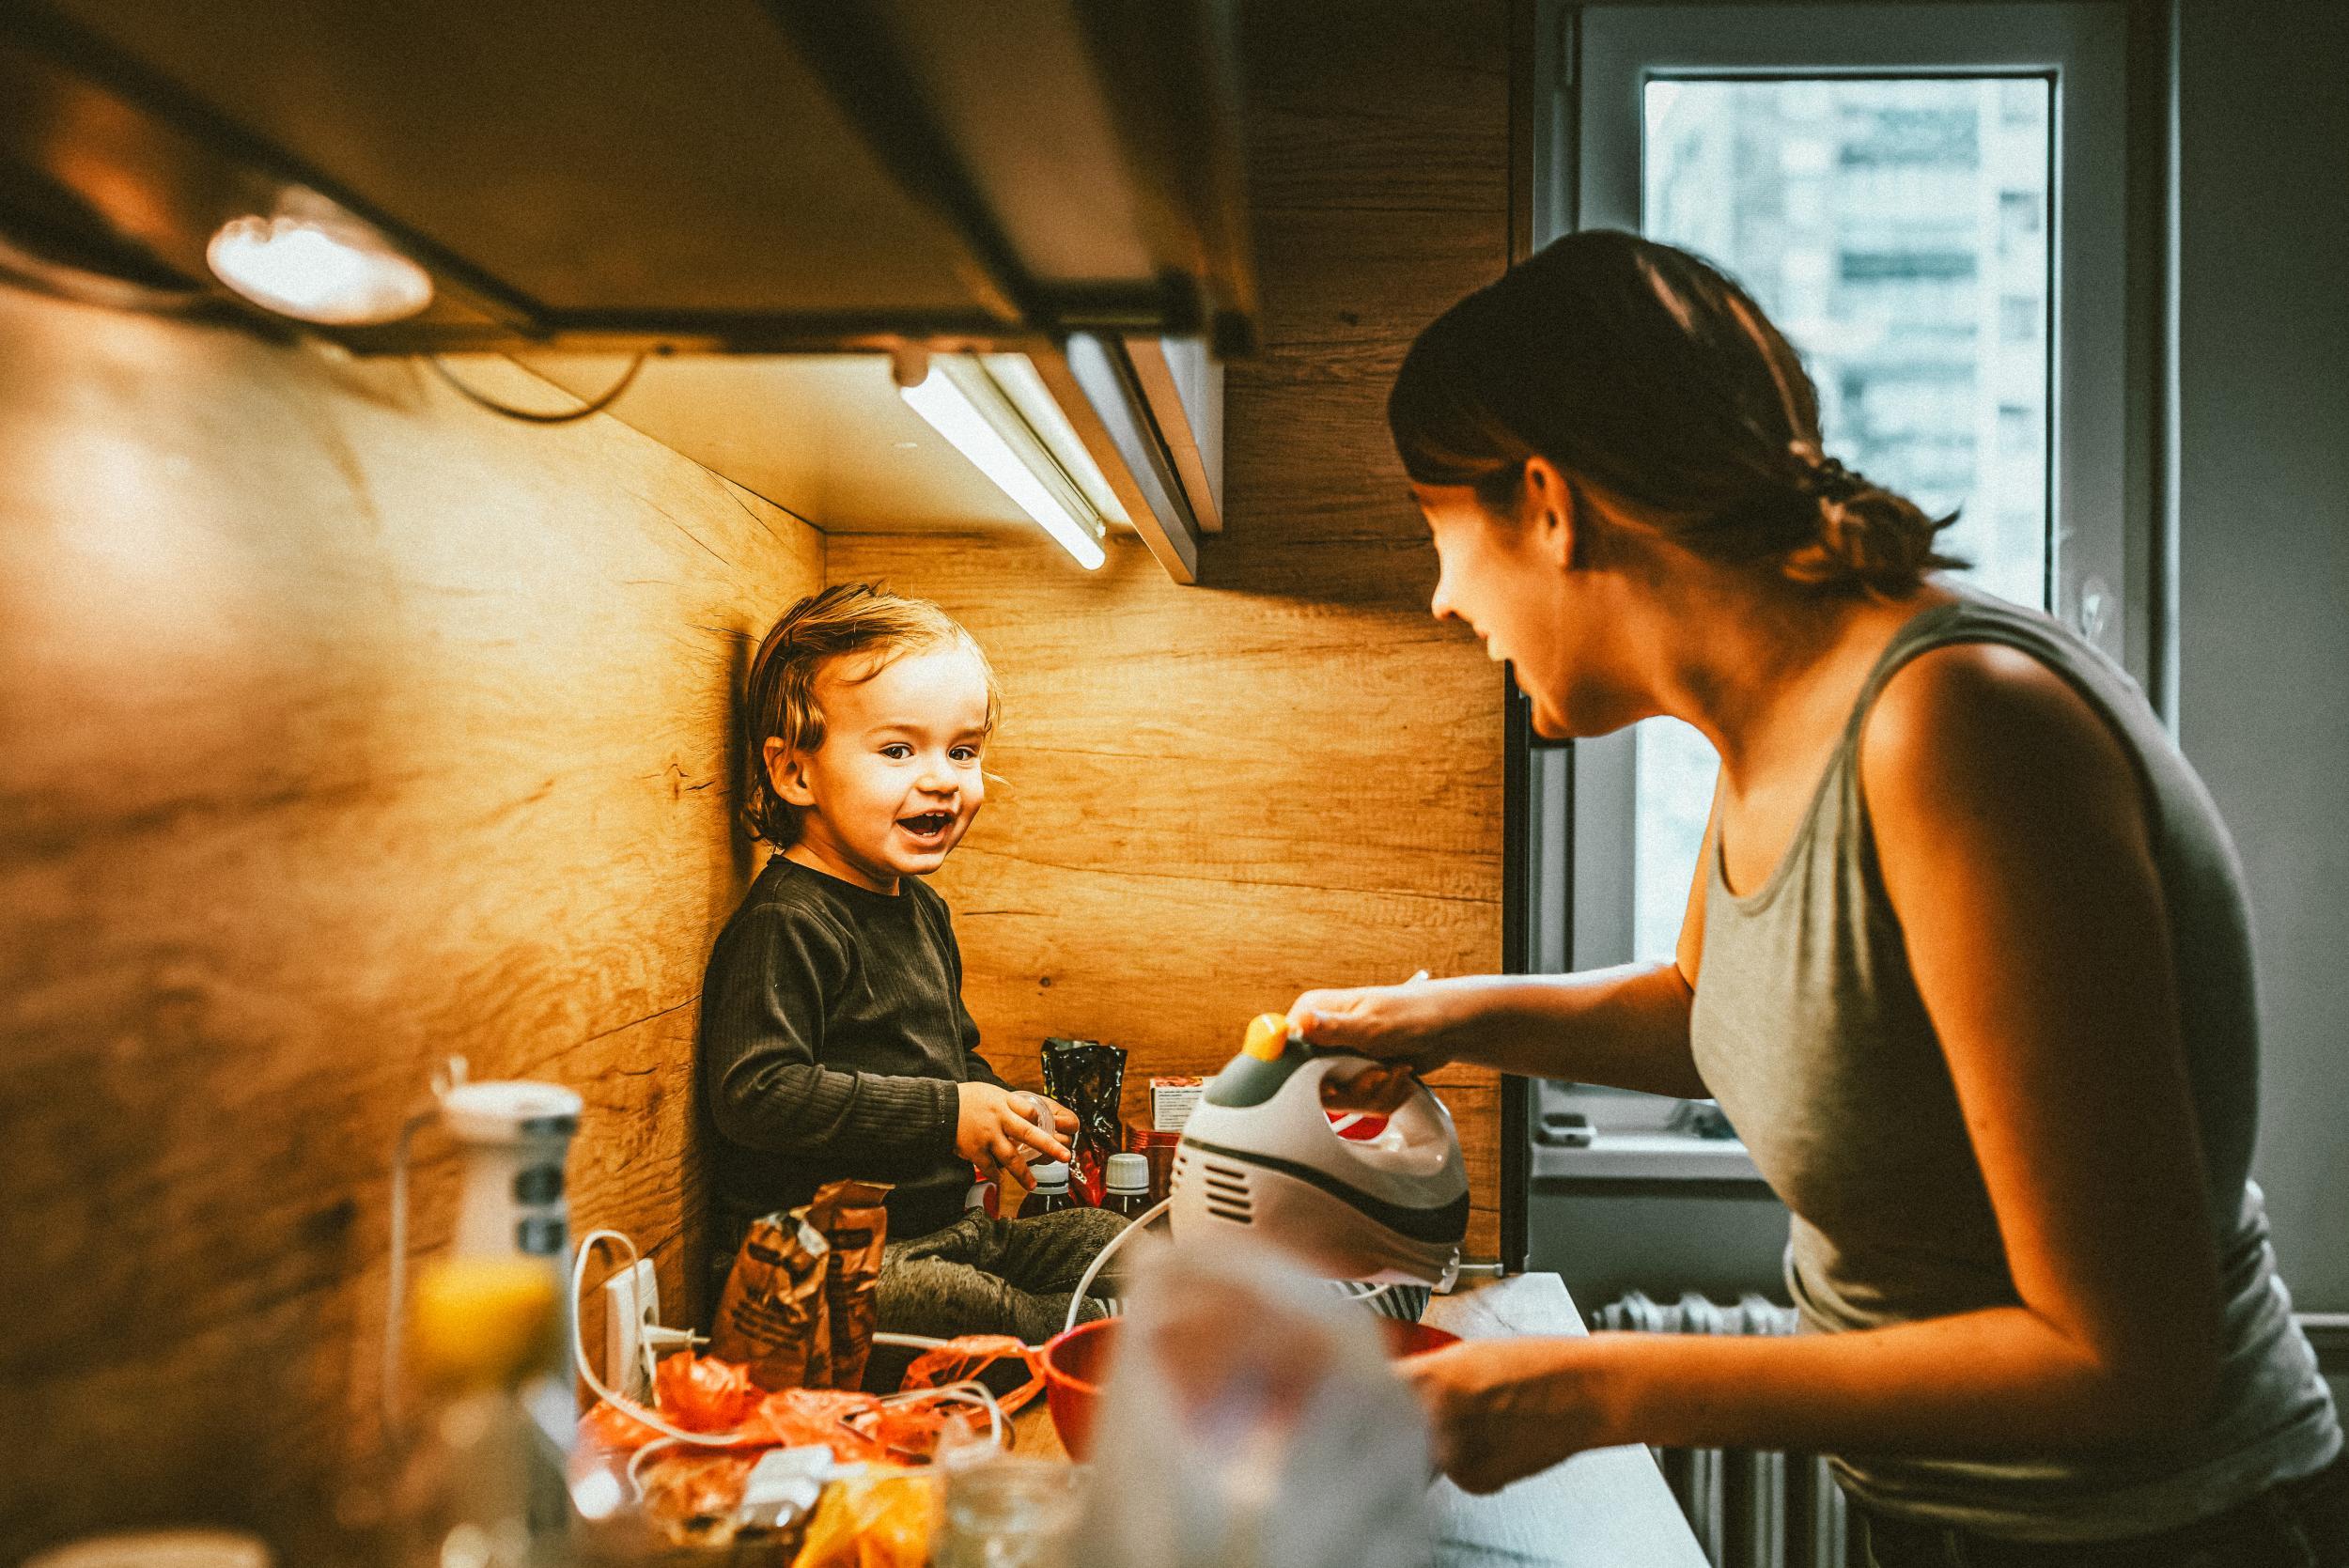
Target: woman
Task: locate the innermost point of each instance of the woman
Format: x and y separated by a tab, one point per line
1967	961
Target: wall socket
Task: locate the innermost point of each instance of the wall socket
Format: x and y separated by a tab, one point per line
632	1305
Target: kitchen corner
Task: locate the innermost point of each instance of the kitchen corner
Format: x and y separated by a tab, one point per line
370	725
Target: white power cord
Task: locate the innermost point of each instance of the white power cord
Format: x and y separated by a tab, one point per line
963	1393
1077	1298
587	1372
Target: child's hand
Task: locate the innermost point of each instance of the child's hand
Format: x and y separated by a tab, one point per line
994	1131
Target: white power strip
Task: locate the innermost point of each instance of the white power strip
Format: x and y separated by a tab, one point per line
631	1309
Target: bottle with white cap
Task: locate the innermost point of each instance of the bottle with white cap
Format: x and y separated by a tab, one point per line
1127	1184
1051	1189
1050	1176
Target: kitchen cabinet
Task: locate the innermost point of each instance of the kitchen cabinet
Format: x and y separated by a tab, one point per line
1135	425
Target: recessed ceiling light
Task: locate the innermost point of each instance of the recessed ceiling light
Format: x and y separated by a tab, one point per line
331	269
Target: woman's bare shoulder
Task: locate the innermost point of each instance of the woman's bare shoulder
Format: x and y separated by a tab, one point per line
1985	731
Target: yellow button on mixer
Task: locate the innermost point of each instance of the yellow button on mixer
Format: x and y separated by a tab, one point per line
1268	1038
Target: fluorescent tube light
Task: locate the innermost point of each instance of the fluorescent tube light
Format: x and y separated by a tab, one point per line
962	405
313	268
1015	376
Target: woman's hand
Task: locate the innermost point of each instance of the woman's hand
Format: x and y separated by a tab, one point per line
994	1131
1402	1023
1504	1409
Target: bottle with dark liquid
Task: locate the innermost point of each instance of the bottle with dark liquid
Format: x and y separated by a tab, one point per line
1128	1186
1052	1190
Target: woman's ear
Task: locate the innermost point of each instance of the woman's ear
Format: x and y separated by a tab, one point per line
787	769
1551	513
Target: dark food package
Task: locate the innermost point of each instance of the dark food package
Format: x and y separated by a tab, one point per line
1087	1076
856	1226
772	1312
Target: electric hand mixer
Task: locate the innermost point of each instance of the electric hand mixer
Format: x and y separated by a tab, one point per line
1260	1155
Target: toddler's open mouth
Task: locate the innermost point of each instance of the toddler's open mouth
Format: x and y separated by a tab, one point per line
928	824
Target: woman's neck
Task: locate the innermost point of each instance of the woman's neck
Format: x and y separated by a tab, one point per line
1758	666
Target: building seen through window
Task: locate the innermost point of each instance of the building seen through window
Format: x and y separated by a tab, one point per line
1897	230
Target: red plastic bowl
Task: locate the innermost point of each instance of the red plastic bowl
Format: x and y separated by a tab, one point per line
1076	1364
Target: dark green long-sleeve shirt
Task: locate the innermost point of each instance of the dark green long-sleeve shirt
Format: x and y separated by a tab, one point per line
834	1039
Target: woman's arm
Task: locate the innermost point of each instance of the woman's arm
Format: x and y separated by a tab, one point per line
2011	838
1626	1026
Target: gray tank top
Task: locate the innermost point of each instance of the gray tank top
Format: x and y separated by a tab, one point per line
1807	1027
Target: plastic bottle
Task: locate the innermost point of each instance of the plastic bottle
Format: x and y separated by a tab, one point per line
1052	1190
1128	1191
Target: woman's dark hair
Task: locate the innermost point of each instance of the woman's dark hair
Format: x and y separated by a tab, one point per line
1648	376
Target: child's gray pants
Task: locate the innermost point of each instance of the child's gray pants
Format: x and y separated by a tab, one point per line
983	1276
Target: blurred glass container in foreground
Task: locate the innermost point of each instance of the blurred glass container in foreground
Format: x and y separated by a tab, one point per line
1010	1511
481	1483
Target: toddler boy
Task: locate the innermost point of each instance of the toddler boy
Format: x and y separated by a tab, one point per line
833	1038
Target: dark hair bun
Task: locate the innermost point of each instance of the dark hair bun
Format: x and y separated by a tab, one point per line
1867	536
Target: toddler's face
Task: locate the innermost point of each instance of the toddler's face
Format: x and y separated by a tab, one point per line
897	781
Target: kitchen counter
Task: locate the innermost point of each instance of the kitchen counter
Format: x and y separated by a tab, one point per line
1603	1508
1600	1509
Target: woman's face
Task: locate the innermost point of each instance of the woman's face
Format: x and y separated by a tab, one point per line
1513	582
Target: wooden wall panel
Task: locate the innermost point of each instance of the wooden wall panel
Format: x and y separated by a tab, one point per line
1213	797
349	727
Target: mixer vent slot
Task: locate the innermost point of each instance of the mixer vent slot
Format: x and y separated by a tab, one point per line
1227	1193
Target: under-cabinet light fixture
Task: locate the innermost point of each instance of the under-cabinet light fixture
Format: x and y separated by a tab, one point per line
961	402
315	263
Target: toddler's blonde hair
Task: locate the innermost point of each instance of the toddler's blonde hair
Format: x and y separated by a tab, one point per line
850	620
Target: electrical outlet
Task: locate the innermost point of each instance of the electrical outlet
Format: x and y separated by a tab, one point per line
631	1304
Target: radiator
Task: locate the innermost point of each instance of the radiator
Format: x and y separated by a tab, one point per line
1749	1509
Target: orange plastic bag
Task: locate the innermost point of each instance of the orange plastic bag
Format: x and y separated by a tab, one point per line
702	1393
881	1520
607	1426
840	1419
967	1356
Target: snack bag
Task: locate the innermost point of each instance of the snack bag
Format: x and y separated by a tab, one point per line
1088	1077
855	1226
772	1314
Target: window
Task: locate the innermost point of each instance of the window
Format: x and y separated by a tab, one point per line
2018	222
1905	183
2018	318
1889	183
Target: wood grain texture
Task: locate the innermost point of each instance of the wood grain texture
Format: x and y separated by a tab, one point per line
350	727
1210	798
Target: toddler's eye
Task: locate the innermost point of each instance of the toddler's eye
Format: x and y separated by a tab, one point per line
965	753
898	750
